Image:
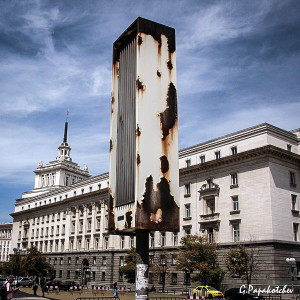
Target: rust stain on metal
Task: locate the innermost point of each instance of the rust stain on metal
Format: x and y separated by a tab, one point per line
169	116
138	159
164	164
110	145
111	215
140	40
158	73
170	65
158	210
128	219
139	84
138	131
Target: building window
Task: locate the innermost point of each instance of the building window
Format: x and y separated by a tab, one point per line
151	278
187	278
218	154
131	242
106	242
210	234
76	275
294	202
187	190
103	276
236	232
94	275
163	260
69	260
295	230
289	147
211	206
152	240
292	179
60	274
77	260
94	260
202	159
234	150
68	274
163	239
61	261
235	202
174	259
234	179
104	261
121	261
187	231
174	278
187	210
96	243
175	238
188	163
122	242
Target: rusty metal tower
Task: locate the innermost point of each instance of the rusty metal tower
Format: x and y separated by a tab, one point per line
144	173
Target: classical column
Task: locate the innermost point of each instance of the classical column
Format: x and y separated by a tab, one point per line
76	229
68	228
102	223
93	227
85	208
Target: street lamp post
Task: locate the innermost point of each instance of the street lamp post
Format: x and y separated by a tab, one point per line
18	252
292	263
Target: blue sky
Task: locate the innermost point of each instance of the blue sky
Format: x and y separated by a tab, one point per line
238	65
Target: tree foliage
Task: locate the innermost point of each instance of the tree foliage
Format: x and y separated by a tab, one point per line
199	257
13	265
35	264
130	266
242	262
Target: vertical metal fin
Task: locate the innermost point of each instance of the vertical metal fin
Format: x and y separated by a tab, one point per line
125	168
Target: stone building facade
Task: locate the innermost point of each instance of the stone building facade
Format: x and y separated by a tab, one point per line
240	188
5	241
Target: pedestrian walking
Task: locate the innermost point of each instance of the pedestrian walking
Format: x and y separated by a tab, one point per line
115	288
35	285
7	290
43	285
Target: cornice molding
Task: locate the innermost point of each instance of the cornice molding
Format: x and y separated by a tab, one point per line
63	189
240	135
262	152
69	201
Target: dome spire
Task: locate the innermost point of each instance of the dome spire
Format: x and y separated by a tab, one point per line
64	149
66	128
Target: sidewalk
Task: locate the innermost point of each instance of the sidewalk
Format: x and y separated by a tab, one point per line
27	294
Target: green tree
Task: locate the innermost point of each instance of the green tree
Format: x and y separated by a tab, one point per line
35	264
130	266
242	262
13	266
199	257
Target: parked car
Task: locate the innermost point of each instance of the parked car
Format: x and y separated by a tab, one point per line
236	294
54	283
23	281
67	284
207	291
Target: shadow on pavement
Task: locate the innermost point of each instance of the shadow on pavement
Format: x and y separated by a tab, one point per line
23	295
